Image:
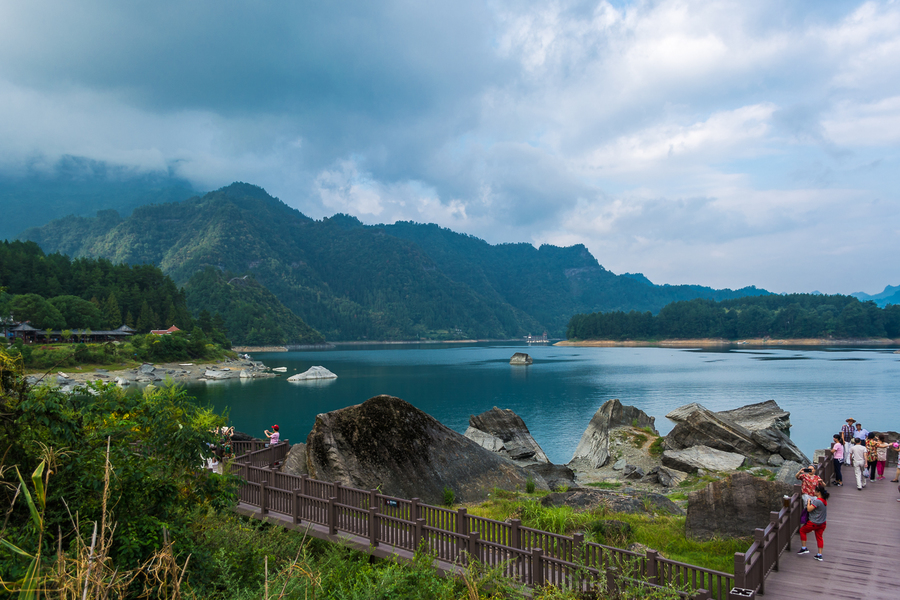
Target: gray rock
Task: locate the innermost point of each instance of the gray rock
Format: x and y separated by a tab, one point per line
619	464
295	462
210	374
763	415
669	477
60	380
520	358
733	507
788	472
702	457
389	443
146	369
122	382
506	428
632	472
593	448
554	477
317	372
776	460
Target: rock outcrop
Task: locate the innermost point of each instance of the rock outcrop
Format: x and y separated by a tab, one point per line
554	477
699	426
520	358
504	432
733	507
313	373
762	415
387	443
691	459
593	449
295	462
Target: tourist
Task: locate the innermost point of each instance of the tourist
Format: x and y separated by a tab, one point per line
847	435
871	454
274	436
881	455
816	523
858	460
808	482
896	446
837	456
861	433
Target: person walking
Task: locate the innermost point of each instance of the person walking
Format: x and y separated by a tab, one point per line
837	457
817	507
858	460
871	454
847	435
881	456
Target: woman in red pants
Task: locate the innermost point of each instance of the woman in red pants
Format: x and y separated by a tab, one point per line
816	523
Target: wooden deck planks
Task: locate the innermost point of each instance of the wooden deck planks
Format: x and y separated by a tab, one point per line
862	548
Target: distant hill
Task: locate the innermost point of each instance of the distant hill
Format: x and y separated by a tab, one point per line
890	295
352	281
80	187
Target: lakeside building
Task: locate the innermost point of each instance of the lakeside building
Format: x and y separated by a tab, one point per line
32	335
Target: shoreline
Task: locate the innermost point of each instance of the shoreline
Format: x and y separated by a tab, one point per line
718	343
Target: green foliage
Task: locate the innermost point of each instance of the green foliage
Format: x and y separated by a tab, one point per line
788	316
449	496
656	448
56	292
350	281
529	485
606	485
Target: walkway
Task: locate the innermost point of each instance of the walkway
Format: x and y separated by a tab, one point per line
862	549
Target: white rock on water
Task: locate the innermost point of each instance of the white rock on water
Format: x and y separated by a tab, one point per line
244	374
313	373
209	374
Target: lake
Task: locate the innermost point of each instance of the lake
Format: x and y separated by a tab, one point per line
560	392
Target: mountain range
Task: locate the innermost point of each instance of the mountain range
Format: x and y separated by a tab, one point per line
352	281
890	295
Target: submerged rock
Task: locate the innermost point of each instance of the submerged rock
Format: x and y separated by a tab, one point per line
313	373
520	358
388	443
503	431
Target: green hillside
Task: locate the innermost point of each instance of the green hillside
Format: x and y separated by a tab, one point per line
352	282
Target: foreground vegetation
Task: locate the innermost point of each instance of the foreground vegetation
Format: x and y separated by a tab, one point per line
794	316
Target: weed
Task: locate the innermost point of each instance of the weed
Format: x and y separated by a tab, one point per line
449	496
656	448
529	486
606	485
634	423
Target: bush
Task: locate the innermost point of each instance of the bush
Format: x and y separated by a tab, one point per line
449	496
529	485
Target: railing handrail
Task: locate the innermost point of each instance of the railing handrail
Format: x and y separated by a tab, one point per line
557	549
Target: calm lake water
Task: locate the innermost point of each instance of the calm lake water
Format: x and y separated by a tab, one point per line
560	392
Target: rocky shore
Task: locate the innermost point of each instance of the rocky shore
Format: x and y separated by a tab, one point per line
228	368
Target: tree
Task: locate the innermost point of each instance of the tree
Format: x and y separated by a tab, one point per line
112	315
41	314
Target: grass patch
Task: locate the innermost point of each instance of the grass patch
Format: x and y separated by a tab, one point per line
656	448
606	485
661	532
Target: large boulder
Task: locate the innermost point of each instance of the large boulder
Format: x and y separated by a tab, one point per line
762	415
733	507
313	373
699	426
787	473
388	443
593	448
691	459
503	431
552	476
295	462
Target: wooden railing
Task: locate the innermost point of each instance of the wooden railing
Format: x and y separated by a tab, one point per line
753	566
527	555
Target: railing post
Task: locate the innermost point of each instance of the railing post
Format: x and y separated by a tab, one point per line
263	500
373	526
702	594
537	567
775	522
414	509
303	480
420	533
740	569
612	587
462	526
652	567
373	498
514	525
337	492
473	545
577	547
332	515
295	506
759	536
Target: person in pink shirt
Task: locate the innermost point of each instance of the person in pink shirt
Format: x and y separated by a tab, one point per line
274	436
837	455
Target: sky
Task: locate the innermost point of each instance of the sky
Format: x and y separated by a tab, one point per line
722	143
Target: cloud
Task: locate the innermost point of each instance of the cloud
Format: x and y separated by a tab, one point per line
666	135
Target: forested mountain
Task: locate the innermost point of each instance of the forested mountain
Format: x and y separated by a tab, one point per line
55	292
79	186
351	281
789	316
890	295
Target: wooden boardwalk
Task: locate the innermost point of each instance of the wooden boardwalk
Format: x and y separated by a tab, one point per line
862	548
